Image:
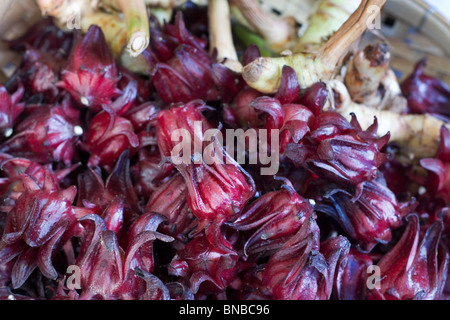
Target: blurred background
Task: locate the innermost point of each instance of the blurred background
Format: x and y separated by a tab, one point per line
443	6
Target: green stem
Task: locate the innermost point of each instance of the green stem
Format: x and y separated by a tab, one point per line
248	37
137	25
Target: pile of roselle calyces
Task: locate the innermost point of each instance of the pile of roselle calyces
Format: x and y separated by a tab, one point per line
94	208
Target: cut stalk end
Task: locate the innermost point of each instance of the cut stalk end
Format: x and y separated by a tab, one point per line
137	25
137	43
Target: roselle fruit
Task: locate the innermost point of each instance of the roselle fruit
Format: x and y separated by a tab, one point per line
228	83
40	221
181	117
164	45
289	89
207	268
140	257
142	115
11	108
273	218
370	219
92	189
39	73
107	137
282	112
185	77
216	192
99	261
91	75
416	267
145	226
247	116
17	171
340	152
47	134
169	200
426	94
437	180
272	110
105	275
179	31
169	36
98	194
315	97
148	172
231	186
297	122
44	36
181	68
126	179
256	111
351	278
45	49
304	269
195	66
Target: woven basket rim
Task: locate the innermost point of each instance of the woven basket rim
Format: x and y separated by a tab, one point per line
424	19
429	8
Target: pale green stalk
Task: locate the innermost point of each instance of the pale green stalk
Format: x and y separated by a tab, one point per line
264	74
327	19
